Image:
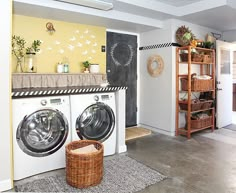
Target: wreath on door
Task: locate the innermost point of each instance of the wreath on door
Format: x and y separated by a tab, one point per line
155	65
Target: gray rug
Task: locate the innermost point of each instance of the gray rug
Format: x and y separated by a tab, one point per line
122	174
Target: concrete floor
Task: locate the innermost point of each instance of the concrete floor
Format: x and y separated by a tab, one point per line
198	165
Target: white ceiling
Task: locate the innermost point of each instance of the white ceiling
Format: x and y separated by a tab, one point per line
178	3
136	15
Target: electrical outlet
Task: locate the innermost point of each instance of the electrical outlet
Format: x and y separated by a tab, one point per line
103	48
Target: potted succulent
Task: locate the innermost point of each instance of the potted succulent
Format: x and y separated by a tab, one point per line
86	65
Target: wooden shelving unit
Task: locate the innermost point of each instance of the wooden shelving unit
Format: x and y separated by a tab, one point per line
203	67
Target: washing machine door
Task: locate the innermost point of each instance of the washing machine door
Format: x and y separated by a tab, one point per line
96	122
42	132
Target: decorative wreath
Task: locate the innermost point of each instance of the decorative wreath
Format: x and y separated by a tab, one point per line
184	36
131	54
159	67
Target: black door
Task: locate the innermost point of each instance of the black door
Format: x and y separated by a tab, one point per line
122	69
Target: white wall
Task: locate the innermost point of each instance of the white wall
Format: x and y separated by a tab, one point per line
5	82
199	31
156	93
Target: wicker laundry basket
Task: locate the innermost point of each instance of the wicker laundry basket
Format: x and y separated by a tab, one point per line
84	170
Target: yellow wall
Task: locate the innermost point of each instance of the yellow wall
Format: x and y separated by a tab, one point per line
72	41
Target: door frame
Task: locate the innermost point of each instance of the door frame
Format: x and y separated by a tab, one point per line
138	67
231	47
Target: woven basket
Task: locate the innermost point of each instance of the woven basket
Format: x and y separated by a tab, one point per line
194	57
197	84
207	59
206	104
201	123
196	106
84	170
197	57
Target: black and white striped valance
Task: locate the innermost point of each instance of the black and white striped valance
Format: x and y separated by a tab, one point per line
164	45
36	92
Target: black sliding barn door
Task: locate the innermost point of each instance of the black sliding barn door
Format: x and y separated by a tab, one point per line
122	69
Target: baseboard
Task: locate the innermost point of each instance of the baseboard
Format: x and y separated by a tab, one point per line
122	149
157	130
5	185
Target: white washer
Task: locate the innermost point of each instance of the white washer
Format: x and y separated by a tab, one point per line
93	116
41	129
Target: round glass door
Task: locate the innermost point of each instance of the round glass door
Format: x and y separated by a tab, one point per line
42	132
96	122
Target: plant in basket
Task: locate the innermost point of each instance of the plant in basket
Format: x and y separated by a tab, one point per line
184	36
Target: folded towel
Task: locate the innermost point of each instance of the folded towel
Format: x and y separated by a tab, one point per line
84	150
202	77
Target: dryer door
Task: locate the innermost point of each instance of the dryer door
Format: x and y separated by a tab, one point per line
96	122
42	132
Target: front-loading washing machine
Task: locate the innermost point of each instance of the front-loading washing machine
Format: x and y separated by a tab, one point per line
41	129
93	116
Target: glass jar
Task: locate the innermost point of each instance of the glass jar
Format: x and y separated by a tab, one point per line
30	62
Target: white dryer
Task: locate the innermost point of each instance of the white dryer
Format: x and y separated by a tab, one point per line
93	116
41	129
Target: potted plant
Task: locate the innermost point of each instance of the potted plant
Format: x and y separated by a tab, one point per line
86	65
30	59
19	51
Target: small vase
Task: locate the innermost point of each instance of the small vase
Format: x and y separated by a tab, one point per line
86	70
19	65
30	62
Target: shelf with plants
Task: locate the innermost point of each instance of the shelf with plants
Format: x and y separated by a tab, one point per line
195	89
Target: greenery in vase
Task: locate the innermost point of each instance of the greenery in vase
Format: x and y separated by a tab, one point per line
34	47
18	47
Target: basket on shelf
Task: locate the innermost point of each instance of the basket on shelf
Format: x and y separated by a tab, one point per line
194	57
184	57
84	170
197	84
197	57
197	105
201	123
207	58
206	104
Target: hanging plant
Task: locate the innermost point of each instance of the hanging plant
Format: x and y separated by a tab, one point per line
184	36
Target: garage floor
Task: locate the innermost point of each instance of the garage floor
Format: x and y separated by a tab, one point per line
197	165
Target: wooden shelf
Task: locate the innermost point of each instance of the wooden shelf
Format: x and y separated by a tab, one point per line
205	68
202	110
185	132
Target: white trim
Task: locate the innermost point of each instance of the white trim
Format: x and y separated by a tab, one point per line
157	130
5	185
122	149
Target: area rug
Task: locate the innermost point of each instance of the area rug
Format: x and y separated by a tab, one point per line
136	132
222	135
122	174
